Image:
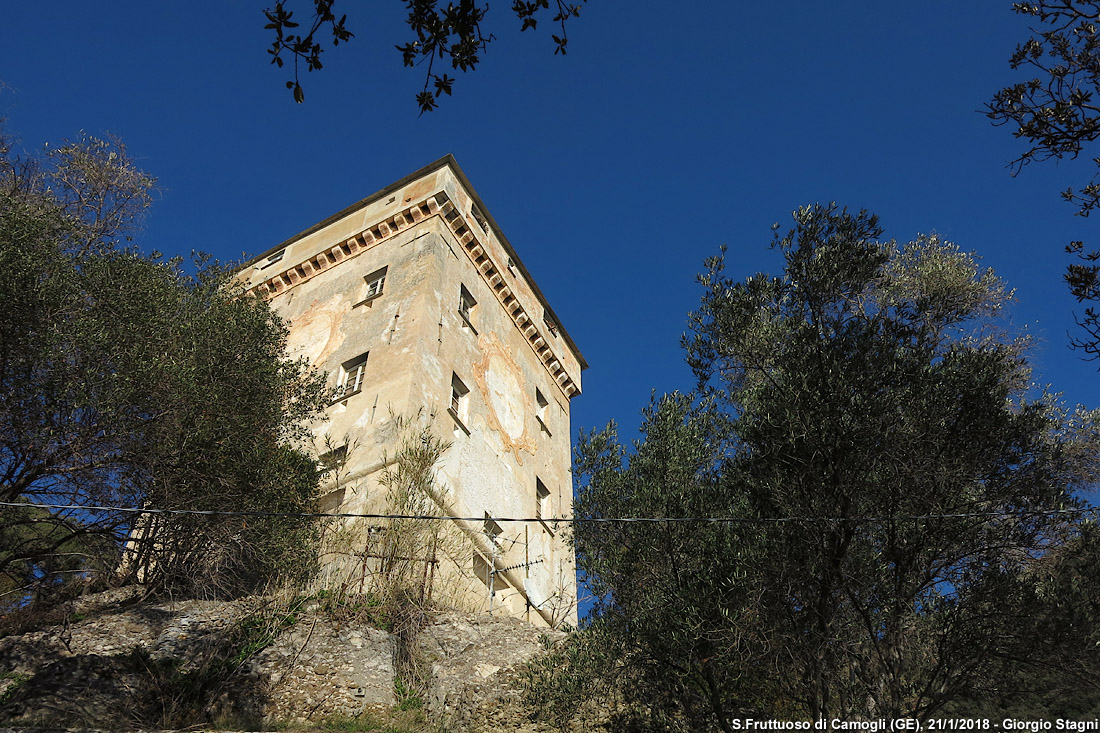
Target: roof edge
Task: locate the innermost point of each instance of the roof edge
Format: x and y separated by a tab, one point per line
461	175
447	160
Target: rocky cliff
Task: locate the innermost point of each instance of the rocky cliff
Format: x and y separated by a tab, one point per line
258	663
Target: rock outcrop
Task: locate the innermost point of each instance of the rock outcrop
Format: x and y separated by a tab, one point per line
118	664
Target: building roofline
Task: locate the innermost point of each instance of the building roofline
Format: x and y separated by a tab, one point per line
447	160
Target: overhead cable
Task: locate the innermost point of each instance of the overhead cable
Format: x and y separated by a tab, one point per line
1080	511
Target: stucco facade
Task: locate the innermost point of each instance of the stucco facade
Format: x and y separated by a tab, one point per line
415	305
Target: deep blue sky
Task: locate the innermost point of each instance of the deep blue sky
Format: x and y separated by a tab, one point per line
669	129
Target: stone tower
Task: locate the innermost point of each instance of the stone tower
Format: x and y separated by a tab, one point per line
415	304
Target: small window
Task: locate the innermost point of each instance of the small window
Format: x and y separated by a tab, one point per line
331	462
375	281
272	259
373	284
466	306
551	326
458	395
331	502
459	407
481	569
540	413
350	380
474	212
492	530
543	510
512	266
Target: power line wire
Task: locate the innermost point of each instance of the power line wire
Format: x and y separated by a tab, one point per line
1081	511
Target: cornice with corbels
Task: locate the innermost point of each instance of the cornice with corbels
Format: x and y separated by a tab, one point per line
438	204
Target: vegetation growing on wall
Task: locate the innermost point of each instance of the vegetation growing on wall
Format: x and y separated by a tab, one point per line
394	571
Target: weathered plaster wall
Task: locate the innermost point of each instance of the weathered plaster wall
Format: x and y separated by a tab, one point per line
394	329
436	241
494	468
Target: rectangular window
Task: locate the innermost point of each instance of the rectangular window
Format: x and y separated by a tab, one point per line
350	380
551	326
481	569
540	413
330	462
272	259
331	502
492	530
466	306
375	281
458	407
373	284
543	510
474	212
374	287
458	395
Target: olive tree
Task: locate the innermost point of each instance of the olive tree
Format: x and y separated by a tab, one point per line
866	429
879	396
130	380
1055	114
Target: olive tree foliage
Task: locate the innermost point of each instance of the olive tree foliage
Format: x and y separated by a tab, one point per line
127	381
674	626
1060	675
453	35
1057	115
866	426
879	396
